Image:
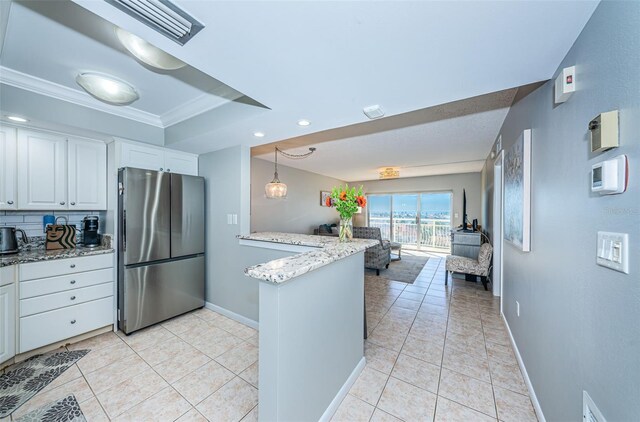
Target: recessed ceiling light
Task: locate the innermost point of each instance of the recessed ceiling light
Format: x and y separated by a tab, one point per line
258	134
148	53
17	119
107	88
303	122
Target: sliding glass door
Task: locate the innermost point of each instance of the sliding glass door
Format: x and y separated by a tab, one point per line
417	220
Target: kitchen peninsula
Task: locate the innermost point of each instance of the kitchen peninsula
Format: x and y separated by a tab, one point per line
311	323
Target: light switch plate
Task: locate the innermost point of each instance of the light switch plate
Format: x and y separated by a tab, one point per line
612	251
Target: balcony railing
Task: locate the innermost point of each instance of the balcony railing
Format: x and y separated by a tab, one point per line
430	232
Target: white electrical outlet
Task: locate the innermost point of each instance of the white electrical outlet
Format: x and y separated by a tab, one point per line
517	308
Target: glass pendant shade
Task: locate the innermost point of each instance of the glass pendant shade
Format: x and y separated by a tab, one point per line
275	190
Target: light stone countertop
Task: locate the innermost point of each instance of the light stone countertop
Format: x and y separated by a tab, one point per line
38	253
330	249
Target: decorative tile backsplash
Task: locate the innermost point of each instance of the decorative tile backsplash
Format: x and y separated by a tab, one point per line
31	221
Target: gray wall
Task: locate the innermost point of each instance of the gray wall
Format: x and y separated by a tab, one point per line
579	325
301	211
226	174
50	113
448	182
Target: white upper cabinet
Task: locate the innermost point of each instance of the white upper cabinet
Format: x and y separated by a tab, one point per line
87	171
181	162
142	157
8	169
156	158
42	171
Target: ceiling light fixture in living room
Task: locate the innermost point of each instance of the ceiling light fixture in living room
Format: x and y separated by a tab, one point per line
389	173
276	189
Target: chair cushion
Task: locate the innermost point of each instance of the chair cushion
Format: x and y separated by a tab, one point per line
462	264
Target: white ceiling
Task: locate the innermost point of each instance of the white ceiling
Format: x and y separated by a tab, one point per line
48	43
452	138
323	61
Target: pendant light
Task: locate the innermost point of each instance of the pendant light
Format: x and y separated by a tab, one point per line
276	189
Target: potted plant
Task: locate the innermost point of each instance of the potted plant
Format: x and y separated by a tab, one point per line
347	201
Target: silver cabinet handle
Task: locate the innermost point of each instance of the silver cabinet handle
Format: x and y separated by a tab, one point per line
10	202
73	298
73	321
72	265
62	203
73	203
72	282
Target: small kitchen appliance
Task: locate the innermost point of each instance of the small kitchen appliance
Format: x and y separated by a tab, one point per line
9	241
90	226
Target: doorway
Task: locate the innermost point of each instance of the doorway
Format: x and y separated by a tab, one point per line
498	175
416	220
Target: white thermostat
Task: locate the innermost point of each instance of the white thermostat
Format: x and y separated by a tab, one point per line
611	176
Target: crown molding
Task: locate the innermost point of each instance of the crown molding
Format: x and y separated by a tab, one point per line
51	89
191	108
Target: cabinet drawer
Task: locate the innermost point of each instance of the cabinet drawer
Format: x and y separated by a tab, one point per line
45	286
7	275
467	239
56	267
45	303
50	327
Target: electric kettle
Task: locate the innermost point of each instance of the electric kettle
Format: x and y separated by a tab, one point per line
8	240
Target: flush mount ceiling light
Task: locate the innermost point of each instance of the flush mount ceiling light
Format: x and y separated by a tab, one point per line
148	53
258	134
107	88
17	119
389	173
276	189
162	16
303	122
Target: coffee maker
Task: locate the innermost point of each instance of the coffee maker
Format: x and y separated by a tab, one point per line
90	226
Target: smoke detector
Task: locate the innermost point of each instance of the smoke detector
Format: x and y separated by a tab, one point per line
373	112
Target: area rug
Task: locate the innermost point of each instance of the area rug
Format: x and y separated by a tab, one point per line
22	381
63	410
406	270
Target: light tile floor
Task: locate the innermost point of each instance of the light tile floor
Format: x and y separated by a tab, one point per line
434	352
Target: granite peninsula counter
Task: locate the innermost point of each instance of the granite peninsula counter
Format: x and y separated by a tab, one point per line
323	250
311	323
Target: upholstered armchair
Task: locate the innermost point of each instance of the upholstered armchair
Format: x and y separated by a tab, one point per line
464	265
376	257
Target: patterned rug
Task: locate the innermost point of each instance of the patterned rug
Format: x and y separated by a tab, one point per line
23	380
64	410
406	270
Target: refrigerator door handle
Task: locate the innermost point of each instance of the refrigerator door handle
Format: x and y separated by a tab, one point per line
124	230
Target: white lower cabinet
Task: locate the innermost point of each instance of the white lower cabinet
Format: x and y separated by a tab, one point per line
64	298
7	322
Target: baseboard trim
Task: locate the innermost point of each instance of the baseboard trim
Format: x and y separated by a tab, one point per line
527	380
335	403
230	314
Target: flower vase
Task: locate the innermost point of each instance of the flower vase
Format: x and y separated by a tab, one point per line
345	232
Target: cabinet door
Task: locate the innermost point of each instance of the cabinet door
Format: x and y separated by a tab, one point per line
87	163
42	171
181	162
137	156
8	200
7	322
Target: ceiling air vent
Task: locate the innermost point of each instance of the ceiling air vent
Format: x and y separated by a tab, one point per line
162	16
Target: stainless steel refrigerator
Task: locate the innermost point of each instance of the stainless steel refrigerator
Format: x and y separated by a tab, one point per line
161	246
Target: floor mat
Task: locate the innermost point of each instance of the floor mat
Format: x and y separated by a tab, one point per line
63	410
23	380
406	270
